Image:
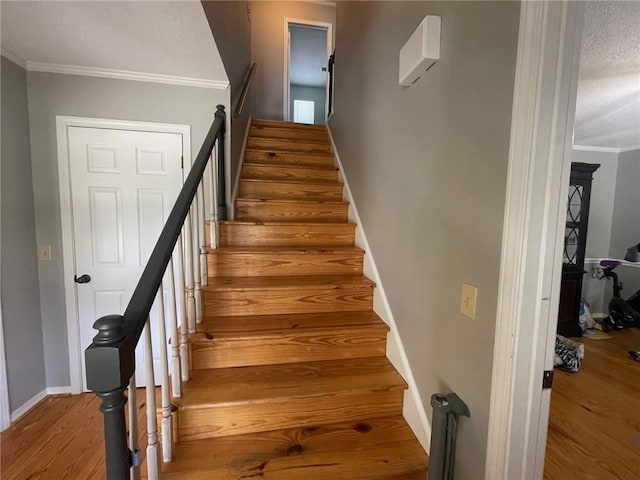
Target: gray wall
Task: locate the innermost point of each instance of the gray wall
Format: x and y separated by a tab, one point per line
614	221
318	95
20	292
267	49
602	199
626	210
427	166
53	94
231	28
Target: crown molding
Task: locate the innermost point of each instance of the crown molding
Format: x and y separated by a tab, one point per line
13	56
324	4
125	75
588	148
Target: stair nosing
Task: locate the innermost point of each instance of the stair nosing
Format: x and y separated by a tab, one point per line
287	250
293	152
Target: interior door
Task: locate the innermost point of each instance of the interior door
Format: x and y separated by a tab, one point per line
123	185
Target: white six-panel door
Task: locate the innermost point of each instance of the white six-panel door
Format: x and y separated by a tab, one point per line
123	184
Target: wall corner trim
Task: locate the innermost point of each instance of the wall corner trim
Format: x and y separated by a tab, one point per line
125	75
413	407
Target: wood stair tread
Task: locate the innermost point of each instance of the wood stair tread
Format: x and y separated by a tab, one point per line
292	167
301	282
376	449
310	181
283	124
280	151
286	250
253	325
288	201
286	382
282	224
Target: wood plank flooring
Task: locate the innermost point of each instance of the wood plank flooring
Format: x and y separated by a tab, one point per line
594	428
61	438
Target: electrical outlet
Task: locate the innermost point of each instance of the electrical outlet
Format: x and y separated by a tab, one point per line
468	301
44	253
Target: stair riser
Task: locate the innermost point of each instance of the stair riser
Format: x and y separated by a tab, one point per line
282	301
287	158
275	144
222	264
290	212
288	133
318	235
220	421
302	191
287	348
268	172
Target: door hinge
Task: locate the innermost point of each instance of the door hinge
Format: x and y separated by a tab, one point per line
182	162
547	379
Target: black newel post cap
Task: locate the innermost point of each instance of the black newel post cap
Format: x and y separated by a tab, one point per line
110	329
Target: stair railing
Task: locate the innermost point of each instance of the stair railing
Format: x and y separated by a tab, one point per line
111	358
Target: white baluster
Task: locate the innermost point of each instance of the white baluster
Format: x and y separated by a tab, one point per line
134	441
213	238
164	378
153	461
176	389
195	258
184	345
201	235
188	260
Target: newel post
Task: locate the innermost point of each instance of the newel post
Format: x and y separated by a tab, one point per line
222	196
110	362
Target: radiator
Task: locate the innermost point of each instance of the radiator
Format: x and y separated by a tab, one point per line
446	410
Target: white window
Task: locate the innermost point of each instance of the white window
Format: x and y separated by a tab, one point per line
303	111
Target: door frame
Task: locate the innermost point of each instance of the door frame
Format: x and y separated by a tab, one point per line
286	92
63	123
535	210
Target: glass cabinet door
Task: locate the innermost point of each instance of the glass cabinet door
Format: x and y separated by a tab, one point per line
572	228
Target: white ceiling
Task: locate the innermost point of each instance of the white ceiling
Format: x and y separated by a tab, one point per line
608	103
308	56
158	37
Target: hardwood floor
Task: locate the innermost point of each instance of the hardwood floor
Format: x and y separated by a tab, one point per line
594	427
61	438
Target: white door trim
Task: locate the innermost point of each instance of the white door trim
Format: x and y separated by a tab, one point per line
535	211
63	123
286	91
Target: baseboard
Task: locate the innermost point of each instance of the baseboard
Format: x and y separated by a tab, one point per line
33	401
413	408
28	405
59	390
236	183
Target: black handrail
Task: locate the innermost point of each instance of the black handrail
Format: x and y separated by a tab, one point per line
110	359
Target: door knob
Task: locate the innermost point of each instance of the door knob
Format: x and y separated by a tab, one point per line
82	278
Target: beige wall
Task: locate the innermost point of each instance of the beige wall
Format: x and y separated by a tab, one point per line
267	49
427	166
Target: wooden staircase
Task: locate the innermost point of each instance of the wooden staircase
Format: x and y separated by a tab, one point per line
289	376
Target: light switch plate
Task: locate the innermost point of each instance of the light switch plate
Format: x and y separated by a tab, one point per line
44	253
468	301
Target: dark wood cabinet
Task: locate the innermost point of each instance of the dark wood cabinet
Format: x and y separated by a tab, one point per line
575	241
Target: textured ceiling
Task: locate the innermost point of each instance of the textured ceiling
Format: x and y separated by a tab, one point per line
308	56
608	103
167	38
